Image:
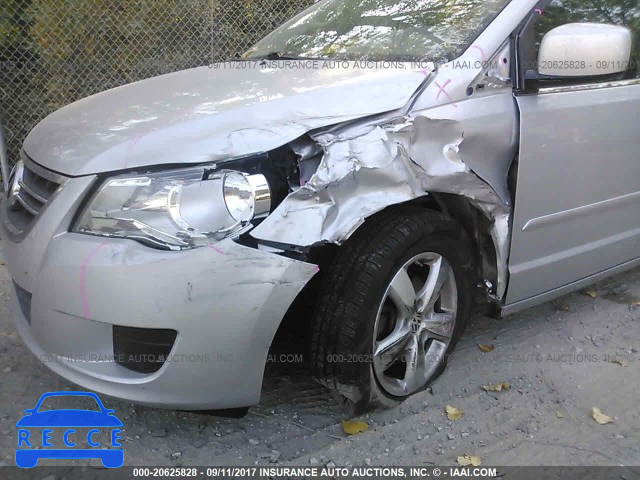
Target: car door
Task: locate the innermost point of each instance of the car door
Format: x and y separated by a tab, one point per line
577	206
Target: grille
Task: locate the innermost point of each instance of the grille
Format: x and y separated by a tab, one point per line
30	188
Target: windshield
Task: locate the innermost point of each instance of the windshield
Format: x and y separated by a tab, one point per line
381	30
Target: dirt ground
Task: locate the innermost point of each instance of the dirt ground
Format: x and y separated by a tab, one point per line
559	360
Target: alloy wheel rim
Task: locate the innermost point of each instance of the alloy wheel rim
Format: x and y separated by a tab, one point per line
414	324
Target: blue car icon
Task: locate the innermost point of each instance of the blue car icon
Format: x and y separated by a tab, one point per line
66	419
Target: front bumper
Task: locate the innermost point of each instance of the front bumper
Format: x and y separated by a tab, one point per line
225	303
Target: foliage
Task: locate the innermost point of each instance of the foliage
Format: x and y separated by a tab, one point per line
53	52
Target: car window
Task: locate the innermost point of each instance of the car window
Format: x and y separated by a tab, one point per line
381	30
69	402
617	12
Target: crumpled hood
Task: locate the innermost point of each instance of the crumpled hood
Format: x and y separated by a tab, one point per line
212	113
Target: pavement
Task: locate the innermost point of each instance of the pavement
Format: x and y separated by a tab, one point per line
560	360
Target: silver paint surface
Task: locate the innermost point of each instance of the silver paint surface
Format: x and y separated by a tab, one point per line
379	137
577	211
233	297
211	114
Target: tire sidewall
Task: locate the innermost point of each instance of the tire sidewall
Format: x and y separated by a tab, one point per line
456	252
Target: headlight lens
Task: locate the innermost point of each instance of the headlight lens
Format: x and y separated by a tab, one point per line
238	196
176	209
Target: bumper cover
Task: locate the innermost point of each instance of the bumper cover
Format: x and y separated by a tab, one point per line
225	302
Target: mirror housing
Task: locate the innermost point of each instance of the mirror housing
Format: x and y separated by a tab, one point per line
579	50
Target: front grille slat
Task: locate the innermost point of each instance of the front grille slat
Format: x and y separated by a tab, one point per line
33	186
26	188
38	184
22	200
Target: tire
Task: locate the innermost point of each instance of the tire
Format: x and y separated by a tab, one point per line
364	306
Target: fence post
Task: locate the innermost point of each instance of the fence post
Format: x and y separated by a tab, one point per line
4	161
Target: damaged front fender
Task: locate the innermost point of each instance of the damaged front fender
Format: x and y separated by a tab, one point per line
370	167
459	136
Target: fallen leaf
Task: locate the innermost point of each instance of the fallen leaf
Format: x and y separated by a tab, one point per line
563	308
467	459
559	414
496	387
622	363
635	302
600	417
486	348
591	293
453	413
353	427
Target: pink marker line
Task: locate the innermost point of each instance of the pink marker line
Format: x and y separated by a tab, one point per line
480	50
83	281
132	145
425	71
215	249
442	90
136	139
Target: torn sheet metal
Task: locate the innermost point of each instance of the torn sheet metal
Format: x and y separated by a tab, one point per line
389	161
491	136
375	166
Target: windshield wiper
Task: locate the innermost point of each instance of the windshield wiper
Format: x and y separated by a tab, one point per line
278	56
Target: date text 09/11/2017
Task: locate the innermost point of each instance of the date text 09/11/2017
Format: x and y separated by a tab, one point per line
320	472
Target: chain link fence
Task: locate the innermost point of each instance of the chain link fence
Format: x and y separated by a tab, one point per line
53	52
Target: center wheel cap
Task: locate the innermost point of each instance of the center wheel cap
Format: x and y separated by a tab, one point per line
416	322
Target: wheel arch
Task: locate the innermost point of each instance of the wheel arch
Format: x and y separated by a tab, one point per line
458	207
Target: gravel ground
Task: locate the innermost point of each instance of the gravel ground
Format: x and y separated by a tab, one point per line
559	360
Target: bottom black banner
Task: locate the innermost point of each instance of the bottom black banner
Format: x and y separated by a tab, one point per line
334	472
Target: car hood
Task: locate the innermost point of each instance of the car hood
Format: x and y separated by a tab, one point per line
69	418
214	113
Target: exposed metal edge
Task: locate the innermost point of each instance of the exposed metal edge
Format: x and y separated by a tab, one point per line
42	171
574	213
572	287
590	86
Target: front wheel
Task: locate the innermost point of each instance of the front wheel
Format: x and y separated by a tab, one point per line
392	307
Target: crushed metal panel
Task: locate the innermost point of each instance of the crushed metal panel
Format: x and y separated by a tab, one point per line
370	167
364	171
357	177
491	136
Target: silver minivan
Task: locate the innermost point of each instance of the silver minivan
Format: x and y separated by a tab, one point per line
373	170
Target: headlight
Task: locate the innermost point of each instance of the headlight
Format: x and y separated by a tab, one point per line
246	196
176	209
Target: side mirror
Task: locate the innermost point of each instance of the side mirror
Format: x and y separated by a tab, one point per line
585	50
